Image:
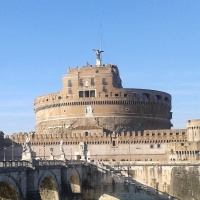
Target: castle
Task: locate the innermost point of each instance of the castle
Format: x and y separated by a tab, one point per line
96	119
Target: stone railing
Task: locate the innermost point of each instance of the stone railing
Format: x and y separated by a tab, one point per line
5	164
37	163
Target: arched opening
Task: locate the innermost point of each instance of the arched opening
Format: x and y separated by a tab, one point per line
75	183
48	189
7	191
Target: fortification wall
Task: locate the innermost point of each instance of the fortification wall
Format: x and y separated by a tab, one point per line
193	127
147	145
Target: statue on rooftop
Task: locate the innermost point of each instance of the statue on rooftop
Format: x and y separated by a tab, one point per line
98	53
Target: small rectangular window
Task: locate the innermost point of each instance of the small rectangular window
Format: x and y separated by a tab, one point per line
151	146
158	97
69	90
166	99
69	83
104	81
145	96
125	95
158	146
87	94
104	89
92	81
81	82
134	95
80	94
92	93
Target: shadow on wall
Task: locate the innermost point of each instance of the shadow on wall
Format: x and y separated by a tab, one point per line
108	184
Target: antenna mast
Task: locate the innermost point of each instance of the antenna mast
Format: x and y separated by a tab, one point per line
101	40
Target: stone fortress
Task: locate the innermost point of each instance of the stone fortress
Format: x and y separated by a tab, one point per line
94	118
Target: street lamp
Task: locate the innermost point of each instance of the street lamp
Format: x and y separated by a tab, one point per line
71	153
44	151
12	149
4	158
129	142
39	153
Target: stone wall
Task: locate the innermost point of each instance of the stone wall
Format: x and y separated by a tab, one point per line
96	92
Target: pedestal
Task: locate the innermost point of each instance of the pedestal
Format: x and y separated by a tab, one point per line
62	157
26	156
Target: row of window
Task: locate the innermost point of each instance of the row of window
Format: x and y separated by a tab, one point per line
98	142
195	127
87	82
135	103
165	134
153	146
87	93
104	89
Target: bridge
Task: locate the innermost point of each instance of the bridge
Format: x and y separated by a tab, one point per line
62	180
40	179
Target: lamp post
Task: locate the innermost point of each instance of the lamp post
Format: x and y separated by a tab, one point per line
44	151
39	153
129	142
12	149
96	157
4	155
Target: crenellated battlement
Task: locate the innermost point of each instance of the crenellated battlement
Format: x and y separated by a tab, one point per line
148	136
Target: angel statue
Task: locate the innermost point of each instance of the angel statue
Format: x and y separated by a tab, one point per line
98	53
27	147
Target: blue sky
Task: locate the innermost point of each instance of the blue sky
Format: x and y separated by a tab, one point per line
156	45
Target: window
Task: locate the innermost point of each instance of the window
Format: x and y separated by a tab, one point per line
166	99
92	93
69	90
125	95
134	95
151	146
104	89
158	97
81	82
92	81
113	143
69	83
158	146
145	96
86	93
104	81
81	94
